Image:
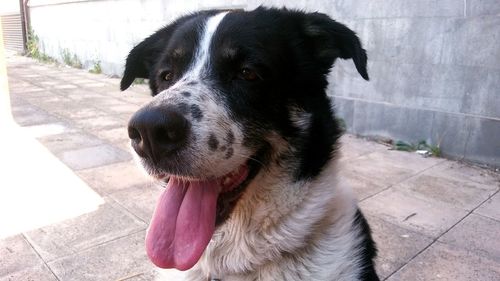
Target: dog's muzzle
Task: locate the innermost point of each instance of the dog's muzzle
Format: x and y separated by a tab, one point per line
157	132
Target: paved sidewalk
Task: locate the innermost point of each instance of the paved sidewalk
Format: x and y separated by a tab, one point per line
73	205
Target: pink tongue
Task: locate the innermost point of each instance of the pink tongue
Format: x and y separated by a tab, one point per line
183	223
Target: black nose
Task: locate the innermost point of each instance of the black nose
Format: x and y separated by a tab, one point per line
156	132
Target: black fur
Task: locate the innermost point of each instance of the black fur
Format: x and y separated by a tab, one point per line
289	54
292	59
368	249
142	59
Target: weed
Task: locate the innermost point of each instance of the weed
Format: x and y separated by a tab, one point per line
341	123
32	44
434	150
404	146
69	59
96	69
139	81
33	48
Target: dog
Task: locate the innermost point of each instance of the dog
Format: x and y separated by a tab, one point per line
241	132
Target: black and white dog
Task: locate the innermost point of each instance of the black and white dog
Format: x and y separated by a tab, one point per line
242	132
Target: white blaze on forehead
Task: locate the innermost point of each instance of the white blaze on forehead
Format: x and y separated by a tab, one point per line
202	54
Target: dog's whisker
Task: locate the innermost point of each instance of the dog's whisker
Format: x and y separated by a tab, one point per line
246	149
250	158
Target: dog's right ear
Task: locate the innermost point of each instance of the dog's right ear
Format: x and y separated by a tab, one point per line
141	58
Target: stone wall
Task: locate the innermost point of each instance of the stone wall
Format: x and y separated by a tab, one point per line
434	64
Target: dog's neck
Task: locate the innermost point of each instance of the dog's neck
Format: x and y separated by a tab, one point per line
257	235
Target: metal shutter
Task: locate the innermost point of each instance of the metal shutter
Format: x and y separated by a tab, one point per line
13	32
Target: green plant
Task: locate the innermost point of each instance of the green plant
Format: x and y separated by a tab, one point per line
433	150
139	81
341	123
404	146
32	44
66	56
70	59
33	48
96	68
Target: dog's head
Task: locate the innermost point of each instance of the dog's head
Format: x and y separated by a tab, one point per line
233	91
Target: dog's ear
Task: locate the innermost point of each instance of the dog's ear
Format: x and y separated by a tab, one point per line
331	40
141	58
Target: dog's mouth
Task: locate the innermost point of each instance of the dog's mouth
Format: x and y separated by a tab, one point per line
188	212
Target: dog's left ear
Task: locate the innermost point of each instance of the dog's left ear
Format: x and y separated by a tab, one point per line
332	40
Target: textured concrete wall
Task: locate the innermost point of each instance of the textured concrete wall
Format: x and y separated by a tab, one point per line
434	64
435	74
103	30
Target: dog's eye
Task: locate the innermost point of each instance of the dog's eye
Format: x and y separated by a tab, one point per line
167	75
249	74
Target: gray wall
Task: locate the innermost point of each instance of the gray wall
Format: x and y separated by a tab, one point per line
435	74
434	64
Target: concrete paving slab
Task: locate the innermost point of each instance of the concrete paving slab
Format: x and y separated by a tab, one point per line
44	102
368	177
116	260
124	145
123	108
112	81
51	84
137	94
490	208
396	246
16	85
70	74
441	262
111	178
78	111
16	255
460	171
114	136
94	85
43	130
444	190
69	141
17	103
82	95
39	272
465	236
65	86
408	160
353	147
83	81
139	200
105	102
95	156
22	107
33	116
373	172
52	104
107	223
409	200
100	122
28	90
404	210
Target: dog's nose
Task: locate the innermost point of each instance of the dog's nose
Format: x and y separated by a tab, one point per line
157	131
